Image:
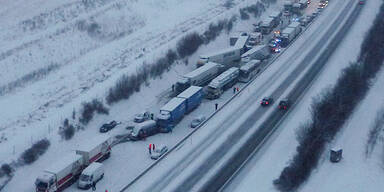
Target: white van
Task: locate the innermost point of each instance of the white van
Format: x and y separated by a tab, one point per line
93	173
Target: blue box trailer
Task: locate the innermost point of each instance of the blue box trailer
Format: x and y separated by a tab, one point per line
193	95
171	113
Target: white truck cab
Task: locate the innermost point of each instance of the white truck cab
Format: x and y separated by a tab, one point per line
93	173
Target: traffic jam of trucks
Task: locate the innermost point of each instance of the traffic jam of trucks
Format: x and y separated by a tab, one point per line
216	72
67	170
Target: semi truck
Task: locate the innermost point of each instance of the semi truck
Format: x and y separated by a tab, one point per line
225	57
172	112
235	36
198	77
68	168
97	149
241	43
259	52
295	25
222	82
267	25
193	95
61	174
249	70
289	33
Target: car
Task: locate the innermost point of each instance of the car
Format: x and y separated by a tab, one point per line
284	104
159	151
287	13
266	101
141	117
197	121
108	126
361	2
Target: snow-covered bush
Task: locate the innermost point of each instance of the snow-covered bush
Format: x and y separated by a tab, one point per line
6	169
32	154
375	132
189	44
89	108
67	131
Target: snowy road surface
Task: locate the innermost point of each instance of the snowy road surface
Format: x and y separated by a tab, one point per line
184	168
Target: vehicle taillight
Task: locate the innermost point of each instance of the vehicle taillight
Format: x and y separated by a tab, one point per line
266	102
285	107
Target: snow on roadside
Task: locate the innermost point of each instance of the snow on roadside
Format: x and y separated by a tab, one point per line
281	147
43	105
149	98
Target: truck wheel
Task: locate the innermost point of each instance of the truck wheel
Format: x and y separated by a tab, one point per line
108	155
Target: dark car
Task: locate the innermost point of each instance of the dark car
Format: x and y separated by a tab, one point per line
266	101
361	2
284	104
108	126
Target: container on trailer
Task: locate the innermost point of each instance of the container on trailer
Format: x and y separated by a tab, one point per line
60	174
241	43
193	95
225	56
95	149
259	52
199	77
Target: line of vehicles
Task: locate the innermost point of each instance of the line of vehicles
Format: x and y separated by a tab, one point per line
83	163
220	70
214	74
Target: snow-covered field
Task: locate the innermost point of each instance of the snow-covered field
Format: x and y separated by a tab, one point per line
85	65
355	172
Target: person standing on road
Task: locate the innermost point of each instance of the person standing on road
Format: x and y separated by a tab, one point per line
93	186
216	105
234	90
150	146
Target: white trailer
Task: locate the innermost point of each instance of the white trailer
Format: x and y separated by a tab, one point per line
235	36
259	52
225	57
249	70
241	43
96	149
296	26
288	34
267	25
61	174
222	82
199	77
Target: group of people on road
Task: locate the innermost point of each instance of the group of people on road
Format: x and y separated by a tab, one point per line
151	147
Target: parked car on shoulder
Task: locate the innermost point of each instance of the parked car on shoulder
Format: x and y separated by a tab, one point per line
108	126
284	104
266	101
159	151
197	121
141	117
